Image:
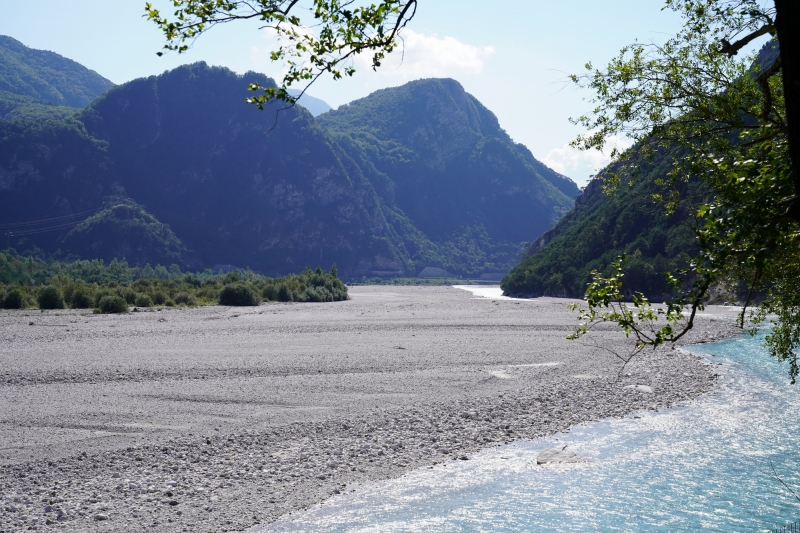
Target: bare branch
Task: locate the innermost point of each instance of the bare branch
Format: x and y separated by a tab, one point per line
731	49
763	83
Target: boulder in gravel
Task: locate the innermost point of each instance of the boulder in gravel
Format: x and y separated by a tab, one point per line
640	388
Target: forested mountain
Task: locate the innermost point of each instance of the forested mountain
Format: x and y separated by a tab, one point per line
37	84
186	147
602	227
179	168
439	159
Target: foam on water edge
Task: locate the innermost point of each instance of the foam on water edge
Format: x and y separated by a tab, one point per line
704	467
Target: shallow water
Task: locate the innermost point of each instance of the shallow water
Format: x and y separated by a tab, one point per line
492	292
704	467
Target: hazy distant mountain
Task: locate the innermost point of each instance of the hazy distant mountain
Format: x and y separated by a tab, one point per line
40	84
314	105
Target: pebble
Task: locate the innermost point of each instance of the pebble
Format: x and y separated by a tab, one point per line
234	480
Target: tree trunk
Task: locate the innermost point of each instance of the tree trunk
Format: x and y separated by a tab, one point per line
787	15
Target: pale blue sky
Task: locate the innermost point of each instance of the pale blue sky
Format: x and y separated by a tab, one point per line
513	57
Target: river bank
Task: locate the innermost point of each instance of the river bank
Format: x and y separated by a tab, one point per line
216	418
712	465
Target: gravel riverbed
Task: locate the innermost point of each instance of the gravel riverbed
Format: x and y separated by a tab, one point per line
216	419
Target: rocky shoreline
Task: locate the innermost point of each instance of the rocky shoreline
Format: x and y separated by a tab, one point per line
213	479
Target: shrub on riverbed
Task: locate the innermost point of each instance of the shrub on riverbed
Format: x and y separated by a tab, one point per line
269	293
285	293
112	304
81	298
143	300
184	298
50	298
14	299
128	294
238	294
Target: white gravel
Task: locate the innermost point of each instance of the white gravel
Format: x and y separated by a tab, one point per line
215	419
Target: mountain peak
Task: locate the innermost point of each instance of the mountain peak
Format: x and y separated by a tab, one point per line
47	77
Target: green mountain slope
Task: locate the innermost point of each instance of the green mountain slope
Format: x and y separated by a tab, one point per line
124	229
37	84
46	76
440	161
599	229
188	148
214	181
603	227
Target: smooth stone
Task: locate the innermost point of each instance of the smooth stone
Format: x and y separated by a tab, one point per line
640	388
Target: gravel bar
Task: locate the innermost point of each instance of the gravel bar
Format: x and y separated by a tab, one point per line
220	418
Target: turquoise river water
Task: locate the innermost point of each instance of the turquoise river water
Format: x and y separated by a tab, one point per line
703	467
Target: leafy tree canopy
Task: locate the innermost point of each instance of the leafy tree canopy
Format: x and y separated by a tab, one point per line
723	118
317	36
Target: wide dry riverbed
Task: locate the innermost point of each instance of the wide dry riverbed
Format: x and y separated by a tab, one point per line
218	418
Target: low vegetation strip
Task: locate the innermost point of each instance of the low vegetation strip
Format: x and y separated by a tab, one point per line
116	286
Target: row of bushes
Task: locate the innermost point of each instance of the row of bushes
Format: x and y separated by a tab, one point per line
33	268
308	286
86	296
234	288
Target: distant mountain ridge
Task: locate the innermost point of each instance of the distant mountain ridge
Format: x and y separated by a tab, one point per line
39	83
196	176
315	106
439	158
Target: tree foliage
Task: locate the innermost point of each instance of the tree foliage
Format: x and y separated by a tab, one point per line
26	282
723	117
316	37
599	229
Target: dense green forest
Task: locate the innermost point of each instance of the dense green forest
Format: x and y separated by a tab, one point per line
630	222
177	168
42	85
602	227
442	164
26	282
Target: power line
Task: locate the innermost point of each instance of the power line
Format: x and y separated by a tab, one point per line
32	231
47	221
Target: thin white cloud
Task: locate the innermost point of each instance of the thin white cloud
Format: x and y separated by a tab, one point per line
417	56
580	165
425	56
